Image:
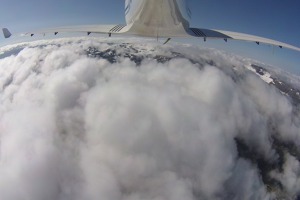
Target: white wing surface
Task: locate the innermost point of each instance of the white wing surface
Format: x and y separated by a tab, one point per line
117	28
227	35
191	32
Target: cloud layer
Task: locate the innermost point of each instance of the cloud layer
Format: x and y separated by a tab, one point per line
76	127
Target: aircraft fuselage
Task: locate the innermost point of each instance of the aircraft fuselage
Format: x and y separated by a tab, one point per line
157	18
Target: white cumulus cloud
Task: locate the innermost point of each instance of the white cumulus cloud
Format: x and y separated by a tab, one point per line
76	127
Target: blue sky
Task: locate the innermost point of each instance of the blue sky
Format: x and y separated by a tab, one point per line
275	19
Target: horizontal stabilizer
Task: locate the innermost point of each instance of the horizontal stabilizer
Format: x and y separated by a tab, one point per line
6	33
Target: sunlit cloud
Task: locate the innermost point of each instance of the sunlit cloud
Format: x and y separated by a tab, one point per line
74	126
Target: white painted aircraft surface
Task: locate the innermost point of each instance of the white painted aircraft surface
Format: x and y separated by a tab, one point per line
160	19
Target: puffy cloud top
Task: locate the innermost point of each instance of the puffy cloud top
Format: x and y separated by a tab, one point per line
144	121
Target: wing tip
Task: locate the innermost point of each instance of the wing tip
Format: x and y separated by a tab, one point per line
6	33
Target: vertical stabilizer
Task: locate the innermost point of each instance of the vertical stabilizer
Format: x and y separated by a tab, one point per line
6	33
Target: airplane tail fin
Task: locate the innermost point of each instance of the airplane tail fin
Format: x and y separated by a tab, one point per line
6	33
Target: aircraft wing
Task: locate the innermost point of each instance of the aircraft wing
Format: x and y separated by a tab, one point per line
117	28
227	35
109	29
194	32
